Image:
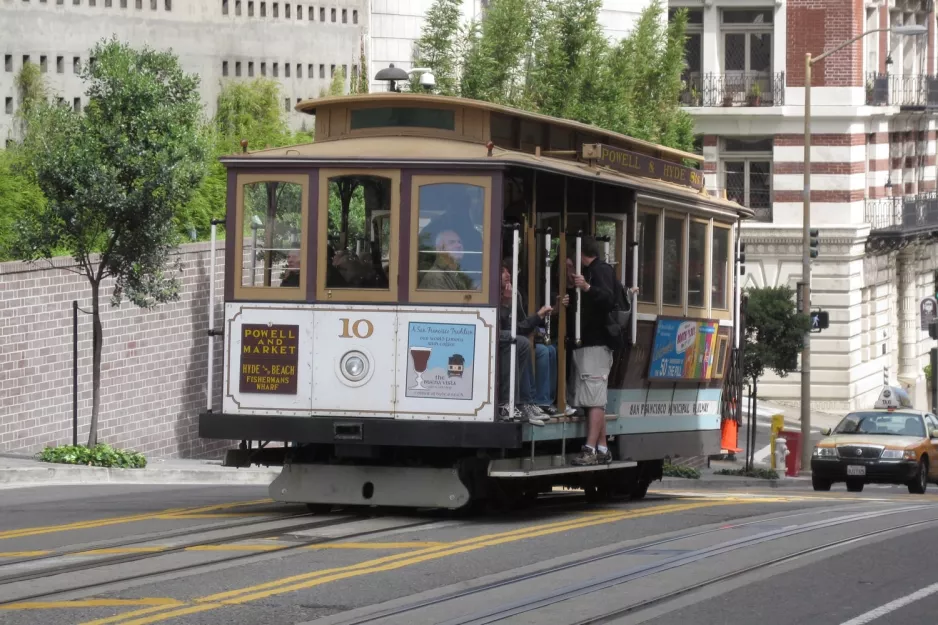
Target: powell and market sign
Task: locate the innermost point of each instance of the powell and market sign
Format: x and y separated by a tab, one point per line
642	165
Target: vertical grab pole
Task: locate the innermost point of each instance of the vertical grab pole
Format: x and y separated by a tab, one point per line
606	250
579	293
547	301
634	295
514	323
211	322
75	373
736	292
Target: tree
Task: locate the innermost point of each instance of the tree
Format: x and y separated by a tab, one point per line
114	178
437	47
251	111
774	337
493	66
21	200
552	57
360	83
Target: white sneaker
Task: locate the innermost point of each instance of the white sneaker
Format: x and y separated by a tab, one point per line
503	413
533	414
569	411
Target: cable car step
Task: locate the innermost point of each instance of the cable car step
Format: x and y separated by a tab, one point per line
547	465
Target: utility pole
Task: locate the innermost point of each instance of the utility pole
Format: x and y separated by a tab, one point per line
806	273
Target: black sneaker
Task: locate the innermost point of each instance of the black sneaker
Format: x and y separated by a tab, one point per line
587	457
604	457
551	410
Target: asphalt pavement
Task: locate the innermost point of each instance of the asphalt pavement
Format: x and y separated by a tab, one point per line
139	554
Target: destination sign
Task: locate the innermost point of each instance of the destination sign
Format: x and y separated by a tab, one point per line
269	357
641	165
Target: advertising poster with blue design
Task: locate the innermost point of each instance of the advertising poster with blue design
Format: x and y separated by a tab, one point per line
440	357
683	350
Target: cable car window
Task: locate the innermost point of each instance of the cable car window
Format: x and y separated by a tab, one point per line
648	257
402	116
719	272
272	235
672	261
358	234
697	265
450	237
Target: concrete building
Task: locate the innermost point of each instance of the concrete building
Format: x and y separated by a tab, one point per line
873	172
396	26
300	44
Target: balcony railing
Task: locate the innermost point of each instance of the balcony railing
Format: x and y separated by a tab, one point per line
916	91
734	90
902	215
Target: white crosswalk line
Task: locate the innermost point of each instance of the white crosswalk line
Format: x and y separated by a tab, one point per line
892	606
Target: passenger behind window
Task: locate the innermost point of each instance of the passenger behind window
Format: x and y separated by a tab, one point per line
446	273
291	274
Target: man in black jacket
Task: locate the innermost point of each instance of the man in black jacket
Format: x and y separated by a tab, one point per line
592	359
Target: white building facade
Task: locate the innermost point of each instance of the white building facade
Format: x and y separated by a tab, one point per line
299	44
872	177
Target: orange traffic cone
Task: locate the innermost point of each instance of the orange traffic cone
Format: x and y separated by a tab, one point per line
728	435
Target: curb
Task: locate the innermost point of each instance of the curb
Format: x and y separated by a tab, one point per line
67	474
708	484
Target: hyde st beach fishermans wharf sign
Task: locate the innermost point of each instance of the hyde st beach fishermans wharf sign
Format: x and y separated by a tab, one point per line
636	164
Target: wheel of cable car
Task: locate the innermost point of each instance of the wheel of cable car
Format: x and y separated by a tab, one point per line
640	489
319	508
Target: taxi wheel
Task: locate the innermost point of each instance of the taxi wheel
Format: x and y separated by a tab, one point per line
820	484
855	487
920	483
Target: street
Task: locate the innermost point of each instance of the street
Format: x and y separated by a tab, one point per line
98	555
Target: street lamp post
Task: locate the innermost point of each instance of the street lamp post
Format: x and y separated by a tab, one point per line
809	61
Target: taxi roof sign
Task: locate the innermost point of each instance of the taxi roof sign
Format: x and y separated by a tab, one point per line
893	397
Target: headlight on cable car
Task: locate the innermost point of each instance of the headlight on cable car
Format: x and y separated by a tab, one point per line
354	366
898	454
825	452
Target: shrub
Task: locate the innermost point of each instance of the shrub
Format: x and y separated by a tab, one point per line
678	470
101	455
762	474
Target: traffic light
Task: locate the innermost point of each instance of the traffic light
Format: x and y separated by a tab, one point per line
820	320
813	242
742	259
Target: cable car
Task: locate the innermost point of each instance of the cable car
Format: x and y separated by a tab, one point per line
362	346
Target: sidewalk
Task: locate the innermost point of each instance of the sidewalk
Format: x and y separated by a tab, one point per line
765	410
20	471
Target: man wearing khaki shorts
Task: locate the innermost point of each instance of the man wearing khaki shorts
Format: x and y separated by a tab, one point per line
592	360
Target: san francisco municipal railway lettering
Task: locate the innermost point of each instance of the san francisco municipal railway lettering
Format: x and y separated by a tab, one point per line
269	358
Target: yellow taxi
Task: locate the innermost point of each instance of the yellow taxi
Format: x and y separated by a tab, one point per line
891	444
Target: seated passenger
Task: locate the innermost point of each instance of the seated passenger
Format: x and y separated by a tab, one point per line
446	273
524	380
291	274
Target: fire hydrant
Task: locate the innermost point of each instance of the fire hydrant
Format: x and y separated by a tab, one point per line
781	452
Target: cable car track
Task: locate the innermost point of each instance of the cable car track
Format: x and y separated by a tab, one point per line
594	584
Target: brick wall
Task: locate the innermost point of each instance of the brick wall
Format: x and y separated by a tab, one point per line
818	25
153	372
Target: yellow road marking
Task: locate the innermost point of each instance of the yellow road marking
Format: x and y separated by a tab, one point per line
118	550
79	525
120	617
159	603
217	515
397	561
410	545
23	554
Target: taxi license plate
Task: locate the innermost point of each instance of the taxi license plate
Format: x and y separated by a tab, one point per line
856	469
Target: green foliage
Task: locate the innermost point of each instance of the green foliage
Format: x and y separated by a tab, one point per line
437	47
21	200
762	474
927	372
679	470
101	455
32	91
552	57
494	63
251	111
774	332
361	83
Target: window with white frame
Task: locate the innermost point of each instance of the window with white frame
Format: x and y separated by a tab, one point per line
872	43
746	167
693	56
746	45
